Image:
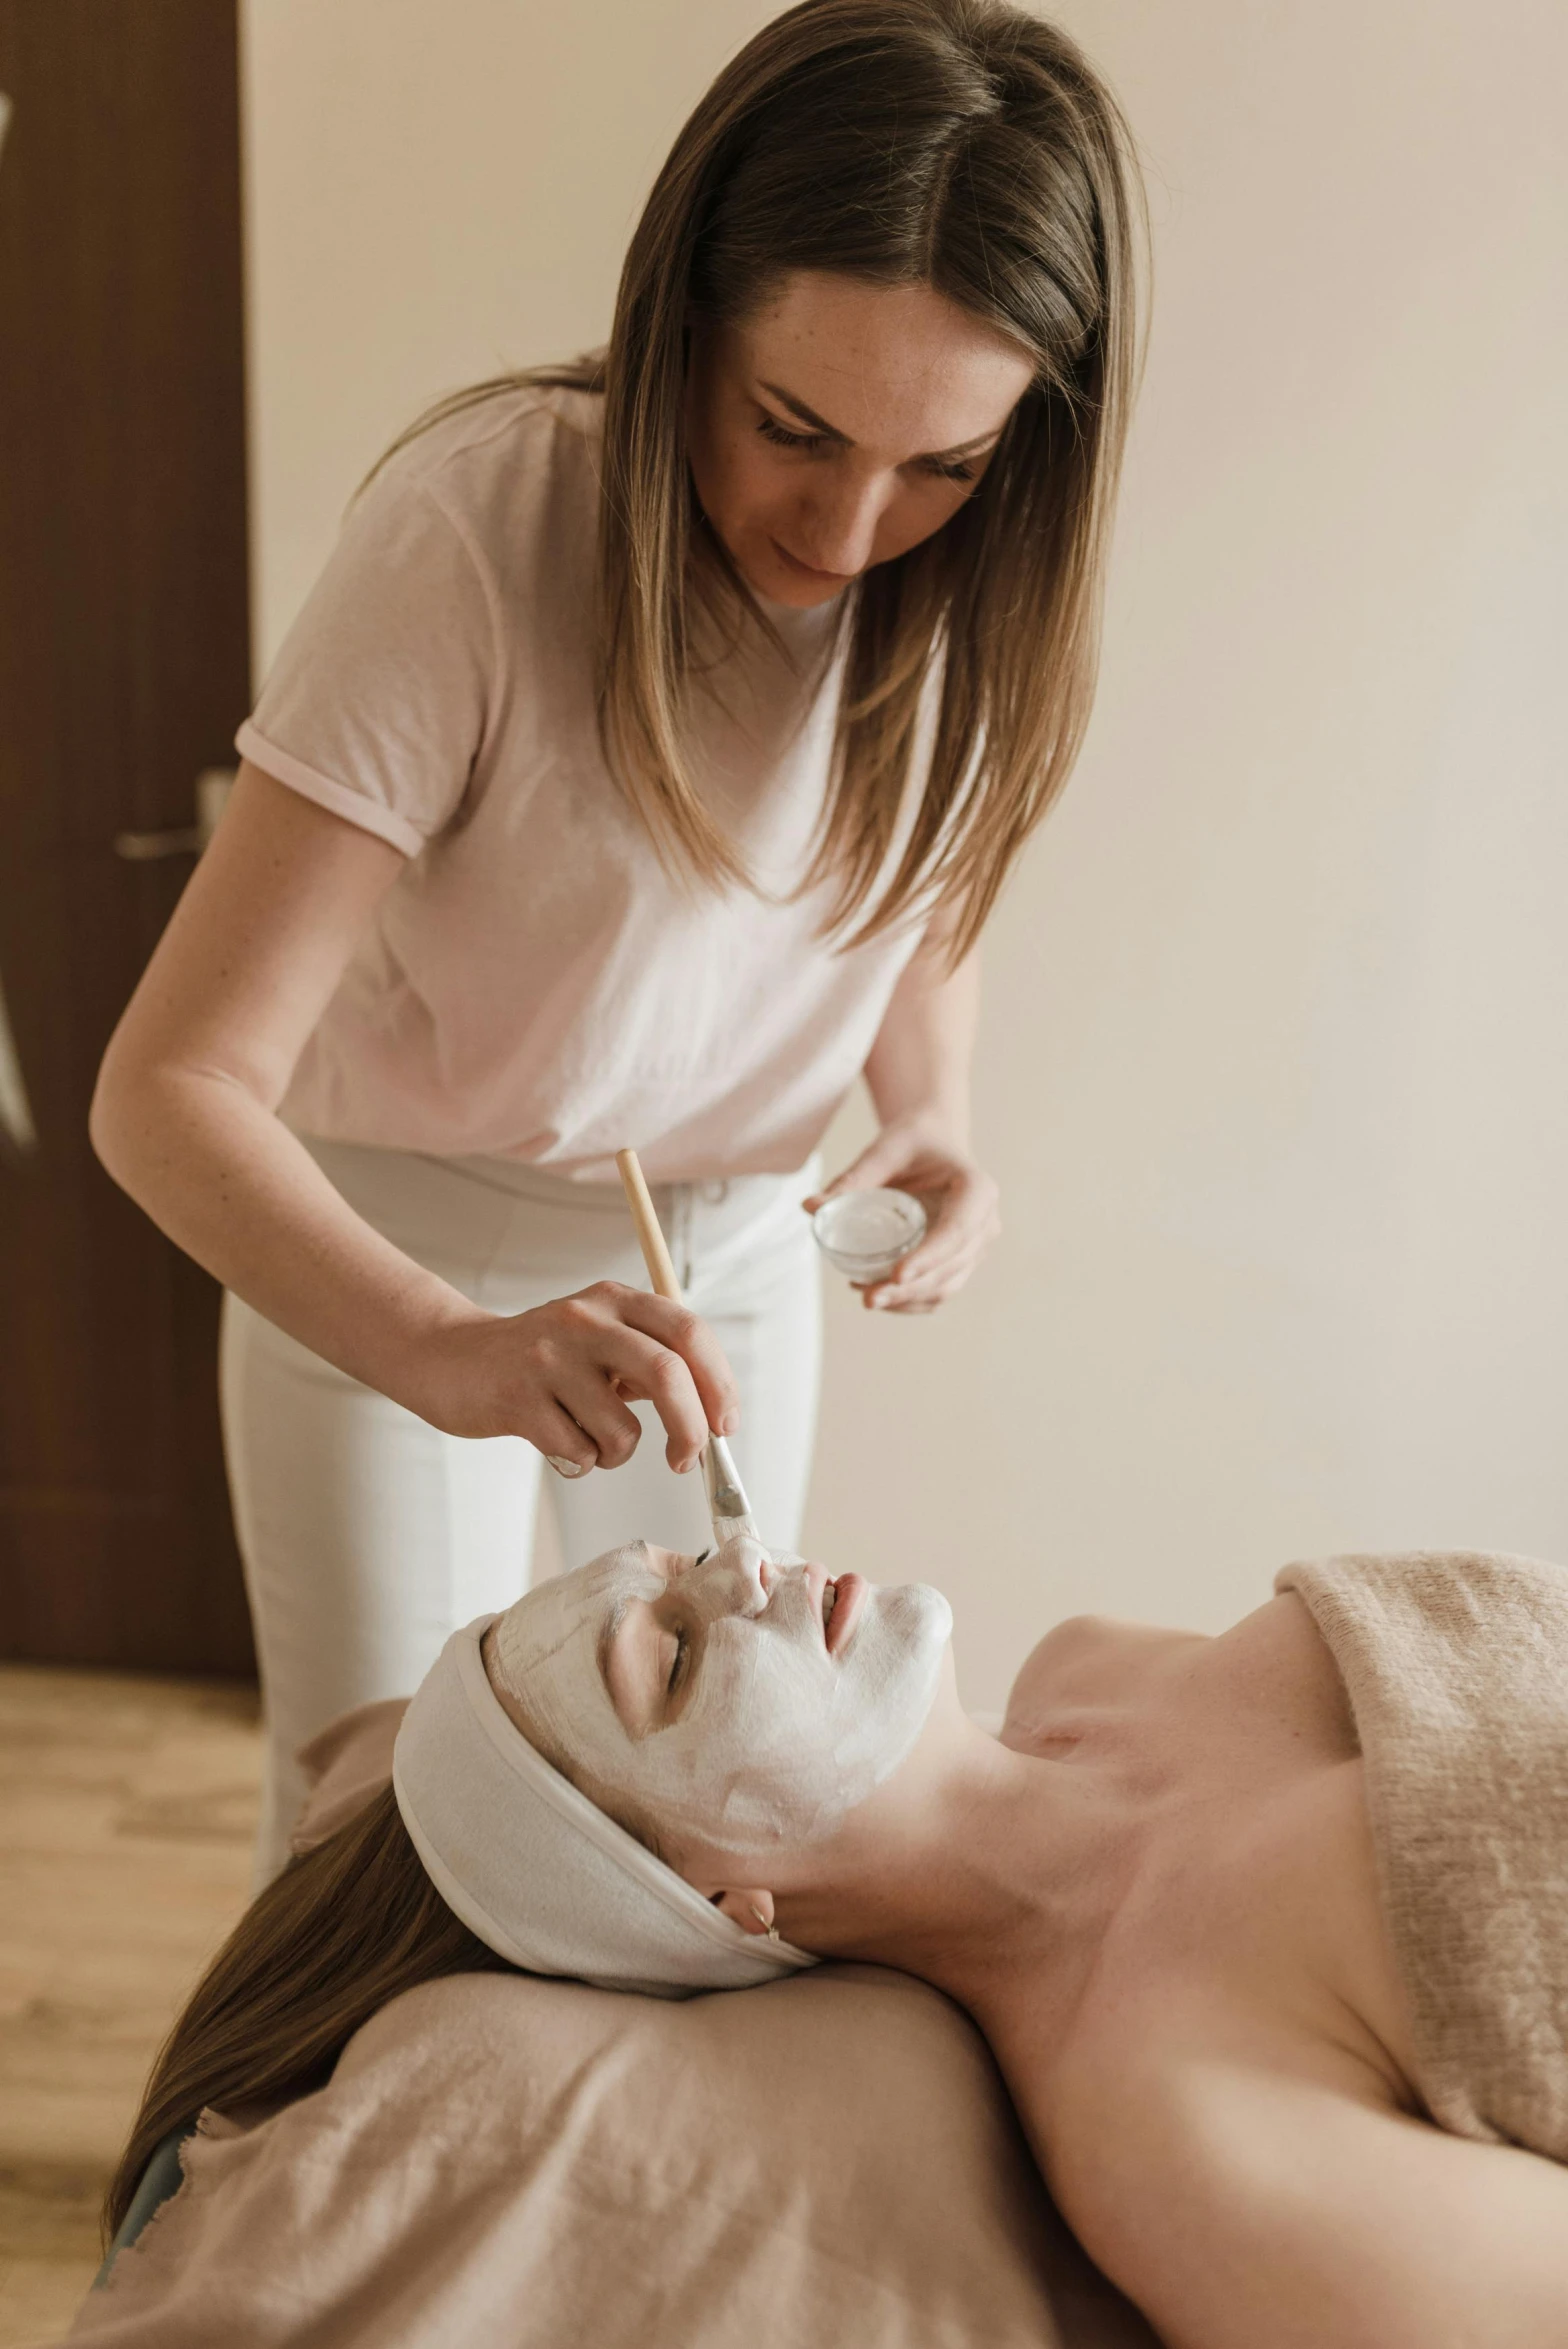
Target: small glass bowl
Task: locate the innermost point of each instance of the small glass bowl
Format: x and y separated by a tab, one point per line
864	1234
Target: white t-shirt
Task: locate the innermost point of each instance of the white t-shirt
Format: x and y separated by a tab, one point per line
534	985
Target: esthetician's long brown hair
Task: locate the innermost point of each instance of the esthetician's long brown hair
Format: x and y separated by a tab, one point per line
960	144
344	1929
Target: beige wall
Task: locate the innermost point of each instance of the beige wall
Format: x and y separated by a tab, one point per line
1273	1069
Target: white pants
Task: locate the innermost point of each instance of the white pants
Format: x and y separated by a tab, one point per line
368	1536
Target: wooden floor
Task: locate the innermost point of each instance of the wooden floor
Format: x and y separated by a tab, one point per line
127	1807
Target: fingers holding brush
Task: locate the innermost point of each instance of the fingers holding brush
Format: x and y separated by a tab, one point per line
680	1333
681	1371
563	1374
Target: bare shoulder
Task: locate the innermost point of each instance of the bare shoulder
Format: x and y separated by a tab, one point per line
1248	2185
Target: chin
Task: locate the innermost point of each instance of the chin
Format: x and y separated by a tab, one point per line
801	595
918	1610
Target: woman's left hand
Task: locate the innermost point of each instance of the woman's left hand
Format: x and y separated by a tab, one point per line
960	1201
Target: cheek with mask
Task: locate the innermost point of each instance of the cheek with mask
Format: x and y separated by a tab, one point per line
778	1738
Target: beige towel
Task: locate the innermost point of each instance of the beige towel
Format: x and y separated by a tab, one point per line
504	2163
346	1765
1456	1666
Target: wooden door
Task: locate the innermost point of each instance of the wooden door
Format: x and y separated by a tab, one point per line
124	668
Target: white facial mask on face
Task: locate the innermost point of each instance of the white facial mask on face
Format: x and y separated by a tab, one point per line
777	1740
538	1871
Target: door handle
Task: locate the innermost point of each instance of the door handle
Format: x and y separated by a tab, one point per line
213	786
16	1118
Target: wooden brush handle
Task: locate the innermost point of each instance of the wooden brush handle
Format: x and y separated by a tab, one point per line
727	1502
655	1254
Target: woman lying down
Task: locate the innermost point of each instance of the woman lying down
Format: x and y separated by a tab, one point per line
1268	1932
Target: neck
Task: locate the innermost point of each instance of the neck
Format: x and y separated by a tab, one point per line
994	1875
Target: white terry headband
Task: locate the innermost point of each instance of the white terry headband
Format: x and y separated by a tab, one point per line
539	1872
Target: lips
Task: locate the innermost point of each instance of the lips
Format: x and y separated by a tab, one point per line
842	1604
837	1605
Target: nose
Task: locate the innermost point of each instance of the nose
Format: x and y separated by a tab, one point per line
838	531
737	1580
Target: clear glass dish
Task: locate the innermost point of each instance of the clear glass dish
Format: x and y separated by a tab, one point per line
865	1234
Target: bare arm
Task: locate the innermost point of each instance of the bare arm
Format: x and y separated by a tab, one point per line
917	1074
185	1119
919	1065
1307	2212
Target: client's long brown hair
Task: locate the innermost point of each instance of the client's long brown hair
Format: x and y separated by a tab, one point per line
344	1929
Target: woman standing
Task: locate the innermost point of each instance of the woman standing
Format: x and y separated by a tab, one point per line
642	770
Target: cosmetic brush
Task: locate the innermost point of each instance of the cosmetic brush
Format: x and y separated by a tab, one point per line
727	1503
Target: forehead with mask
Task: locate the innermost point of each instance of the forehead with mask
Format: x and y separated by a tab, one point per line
733	1700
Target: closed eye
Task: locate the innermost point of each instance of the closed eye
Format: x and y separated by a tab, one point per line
771	429
782	438
681	1659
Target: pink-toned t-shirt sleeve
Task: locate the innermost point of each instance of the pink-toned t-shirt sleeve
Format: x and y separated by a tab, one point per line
378	701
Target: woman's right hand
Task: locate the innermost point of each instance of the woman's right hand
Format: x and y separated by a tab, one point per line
562	1375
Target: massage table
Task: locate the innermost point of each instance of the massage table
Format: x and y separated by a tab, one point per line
831	2162
828	2163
